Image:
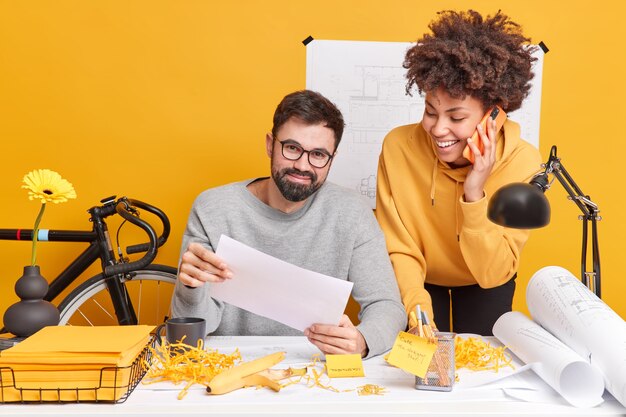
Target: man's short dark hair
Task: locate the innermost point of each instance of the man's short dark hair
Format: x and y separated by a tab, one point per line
312	108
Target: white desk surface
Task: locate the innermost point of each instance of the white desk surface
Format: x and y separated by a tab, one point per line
401	397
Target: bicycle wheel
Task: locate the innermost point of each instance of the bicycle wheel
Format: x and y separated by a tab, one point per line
150	290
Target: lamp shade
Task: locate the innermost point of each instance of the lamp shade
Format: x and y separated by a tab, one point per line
519	206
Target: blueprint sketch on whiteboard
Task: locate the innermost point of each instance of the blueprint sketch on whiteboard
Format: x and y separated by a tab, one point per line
367	82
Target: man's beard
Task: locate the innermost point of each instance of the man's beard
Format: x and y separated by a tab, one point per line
295	192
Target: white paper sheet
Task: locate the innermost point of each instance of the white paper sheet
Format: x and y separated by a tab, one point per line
566	308
570	375
278	290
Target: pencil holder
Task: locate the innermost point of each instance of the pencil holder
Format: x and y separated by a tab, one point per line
440	373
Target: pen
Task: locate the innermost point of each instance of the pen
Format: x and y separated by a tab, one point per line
428	322
419	321
428	330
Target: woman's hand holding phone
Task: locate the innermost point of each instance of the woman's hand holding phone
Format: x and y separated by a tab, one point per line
483	159
495	113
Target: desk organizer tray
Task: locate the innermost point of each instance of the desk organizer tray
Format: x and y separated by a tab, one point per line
98	385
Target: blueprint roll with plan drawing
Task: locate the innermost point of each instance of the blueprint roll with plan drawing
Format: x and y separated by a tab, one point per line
567	315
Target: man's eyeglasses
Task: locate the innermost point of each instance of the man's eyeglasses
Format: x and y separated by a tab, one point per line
293	151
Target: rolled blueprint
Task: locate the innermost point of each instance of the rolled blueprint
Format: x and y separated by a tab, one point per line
568	373
562	305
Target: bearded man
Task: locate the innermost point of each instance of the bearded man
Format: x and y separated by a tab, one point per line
298	217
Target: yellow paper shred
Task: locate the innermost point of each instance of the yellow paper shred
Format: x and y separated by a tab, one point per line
315	377
477	355
178	362
371	389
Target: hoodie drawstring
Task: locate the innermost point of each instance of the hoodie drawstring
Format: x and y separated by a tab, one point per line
456	211
434	179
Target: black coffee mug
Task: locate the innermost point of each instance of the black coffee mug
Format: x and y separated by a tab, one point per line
187	330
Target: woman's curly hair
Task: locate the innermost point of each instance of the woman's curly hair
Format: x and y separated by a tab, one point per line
488	59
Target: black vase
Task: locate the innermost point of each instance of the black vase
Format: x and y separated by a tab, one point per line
31	313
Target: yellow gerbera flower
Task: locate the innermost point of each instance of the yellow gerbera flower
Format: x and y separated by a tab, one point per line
48	186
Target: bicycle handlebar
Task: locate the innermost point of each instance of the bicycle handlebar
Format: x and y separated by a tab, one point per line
143	247
124	208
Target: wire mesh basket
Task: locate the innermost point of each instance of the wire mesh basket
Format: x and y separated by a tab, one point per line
440	373
110	385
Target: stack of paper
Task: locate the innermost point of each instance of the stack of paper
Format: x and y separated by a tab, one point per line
72	363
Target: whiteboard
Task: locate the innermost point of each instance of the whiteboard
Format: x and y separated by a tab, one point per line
367	82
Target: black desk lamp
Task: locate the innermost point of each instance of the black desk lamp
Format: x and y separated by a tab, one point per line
524	206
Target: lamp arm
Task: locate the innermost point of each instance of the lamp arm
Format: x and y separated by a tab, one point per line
590	214
556	168
584	203
595	256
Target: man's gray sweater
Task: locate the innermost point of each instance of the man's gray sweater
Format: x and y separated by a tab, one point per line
335	233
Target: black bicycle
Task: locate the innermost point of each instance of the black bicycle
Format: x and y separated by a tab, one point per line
125	292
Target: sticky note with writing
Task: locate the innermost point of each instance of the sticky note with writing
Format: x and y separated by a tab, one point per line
412	353
341	366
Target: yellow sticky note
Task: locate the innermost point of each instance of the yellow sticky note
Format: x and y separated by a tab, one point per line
412	353
342	366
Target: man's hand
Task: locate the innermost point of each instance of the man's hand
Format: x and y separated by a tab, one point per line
200	265
341	339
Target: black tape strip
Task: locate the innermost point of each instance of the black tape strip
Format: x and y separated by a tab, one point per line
543	47
307	40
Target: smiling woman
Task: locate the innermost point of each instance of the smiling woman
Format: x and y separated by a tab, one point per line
431	200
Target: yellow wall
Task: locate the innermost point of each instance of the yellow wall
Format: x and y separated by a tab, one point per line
159	100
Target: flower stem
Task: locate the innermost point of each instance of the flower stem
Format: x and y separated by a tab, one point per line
36	232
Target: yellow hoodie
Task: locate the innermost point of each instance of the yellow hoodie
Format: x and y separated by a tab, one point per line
432	234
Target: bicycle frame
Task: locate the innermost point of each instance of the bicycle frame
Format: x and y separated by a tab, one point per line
100	247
